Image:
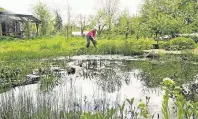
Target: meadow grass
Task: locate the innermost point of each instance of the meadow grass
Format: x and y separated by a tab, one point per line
37	48
56	46
59	46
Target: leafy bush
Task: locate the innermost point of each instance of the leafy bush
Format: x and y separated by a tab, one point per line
164	45
57	46
129	48
108	48
195	38
182	43
9	76
143	44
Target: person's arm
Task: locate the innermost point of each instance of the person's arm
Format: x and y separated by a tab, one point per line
92	35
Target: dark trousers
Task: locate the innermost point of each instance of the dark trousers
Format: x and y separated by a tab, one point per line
92	40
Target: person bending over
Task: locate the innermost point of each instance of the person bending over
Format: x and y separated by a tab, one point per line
91	35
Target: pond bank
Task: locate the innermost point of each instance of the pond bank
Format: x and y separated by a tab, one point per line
159	51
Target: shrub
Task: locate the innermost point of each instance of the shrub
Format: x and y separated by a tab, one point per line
57	46
195	38
128	48
164	45
182	43
108	48
125	48
143	44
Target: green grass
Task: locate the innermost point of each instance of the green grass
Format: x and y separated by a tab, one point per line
38	48
55	46
59	46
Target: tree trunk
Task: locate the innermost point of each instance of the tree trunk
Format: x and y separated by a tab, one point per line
99	30
71	30
156	34
126	36
126	33
109	30
137	37
37	25
0	30
67	30
28	28
81	31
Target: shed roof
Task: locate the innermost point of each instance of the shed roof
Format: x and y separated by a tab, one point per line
21	17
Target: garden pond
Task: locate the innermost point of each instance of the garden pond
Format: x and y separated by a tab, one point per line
91	83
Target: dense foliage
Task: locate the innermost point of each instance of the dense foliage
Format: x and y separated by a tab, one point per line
165	17
182	43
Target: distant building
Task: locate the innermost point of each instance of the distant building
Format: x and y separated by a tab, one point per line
18	25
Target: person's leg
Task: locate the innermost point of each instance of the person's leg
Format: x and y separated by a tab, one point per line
88	42
93	41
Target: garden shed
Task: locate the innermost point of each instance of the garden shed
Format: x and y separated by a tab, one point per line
18	25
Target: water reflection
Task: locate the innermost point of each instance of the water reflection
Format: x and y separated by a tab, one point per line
153	72
96	85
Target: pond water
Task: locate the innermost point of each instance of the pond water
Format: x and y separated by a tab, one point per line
99	82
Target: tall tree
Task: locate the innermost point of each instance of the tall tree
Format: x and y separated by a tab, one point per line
163	17
82	23
41	11
100	21
124	23
110	8
169	17
58	25
139	28
69	26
